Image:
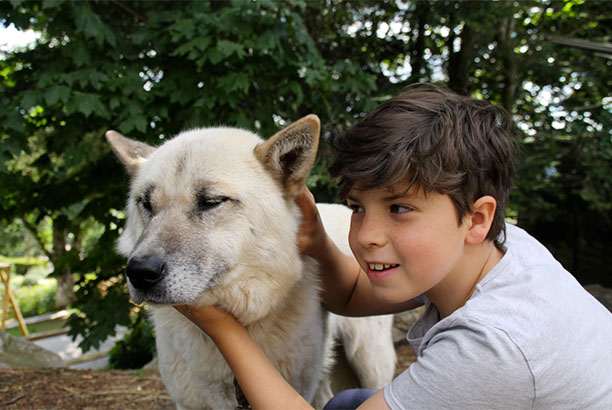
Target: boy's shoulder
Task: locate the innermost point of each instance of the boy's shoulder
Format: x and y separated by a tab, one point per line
526	249
529	287
526	292
527	317
529	297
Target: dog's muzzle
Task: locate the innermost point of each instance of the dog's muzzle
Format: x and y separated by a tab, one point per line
145	272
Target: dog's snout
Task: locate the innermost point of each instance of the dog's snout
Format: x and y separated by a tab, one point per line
144	272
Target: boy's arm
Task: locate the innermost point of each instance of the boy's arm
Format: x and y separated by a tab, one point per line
263	386
346	288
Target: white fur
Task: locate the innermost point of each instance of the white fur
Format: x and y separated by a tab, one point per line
248	245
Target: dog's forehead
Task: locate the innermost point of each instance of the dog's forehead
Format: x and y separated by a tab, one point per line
206	158
208	146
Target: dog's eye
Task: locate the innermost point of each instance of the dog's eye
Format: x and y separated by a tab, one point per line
145	201
146	204
207	203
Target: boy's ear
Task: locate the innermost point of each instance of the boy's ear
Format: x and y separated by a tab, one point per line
132	153
481	219
290	153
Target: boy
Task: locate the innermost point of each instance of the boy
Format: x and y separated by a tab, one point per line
427	175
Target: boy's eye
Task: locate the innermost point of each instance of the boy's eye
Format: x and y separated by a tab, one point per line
355	208
400	209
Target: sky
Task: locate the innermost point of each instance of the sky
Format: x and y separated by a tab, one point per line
10	37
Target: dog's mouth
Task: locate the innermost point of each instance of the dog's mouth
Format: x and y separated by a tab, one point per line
159	297
174	288
140	297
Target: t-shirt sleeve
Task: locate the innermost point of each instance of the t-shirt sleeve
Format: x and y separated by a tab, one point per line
468	365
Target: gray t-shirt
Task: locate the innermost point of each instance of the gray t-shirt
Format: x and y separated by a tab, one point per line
530	337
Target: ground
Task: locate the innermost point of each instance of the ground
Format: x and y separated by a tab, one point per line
114	389
69	389
63	388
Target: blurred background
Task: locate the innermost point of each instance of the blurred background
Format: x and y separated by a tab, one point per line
69	71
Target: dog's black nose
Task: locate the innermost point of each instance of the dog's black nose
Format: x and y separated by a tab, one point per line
144	272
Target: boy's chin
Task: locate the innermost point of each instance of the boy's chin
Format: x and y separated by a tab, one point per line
393	294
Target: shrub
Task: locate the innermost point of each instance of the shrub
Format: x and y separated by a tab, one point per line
36	299
137	347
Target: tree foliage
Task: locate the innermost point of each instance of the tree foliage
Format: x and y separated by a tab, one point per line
151	69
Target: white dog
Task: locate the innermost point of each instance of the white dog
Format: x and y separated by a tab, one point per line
212	221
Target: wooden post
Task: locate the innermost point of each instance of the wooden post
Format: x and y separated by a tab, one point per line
8	295
4	298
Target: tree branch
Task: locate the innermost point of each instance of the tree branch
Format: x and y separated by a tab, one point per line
129	10
33	231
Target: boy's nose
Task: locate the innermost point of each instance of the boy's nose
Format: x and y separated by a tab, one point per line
371	233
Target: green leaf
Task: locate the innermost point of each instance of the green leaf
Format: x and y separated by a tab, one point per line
184	29
114	103
92	25
57	93
12	123
97	79
295	88
81	55
138	123
267	41
226	48
87	104
194	48
88	22
10	146
51	4
30	98
45	79
235	82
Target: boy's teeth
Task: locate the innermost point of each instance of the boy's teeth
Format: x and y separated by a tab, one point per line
379	266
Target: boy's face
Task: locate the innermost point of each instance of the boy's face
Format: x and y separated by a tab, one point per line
407	242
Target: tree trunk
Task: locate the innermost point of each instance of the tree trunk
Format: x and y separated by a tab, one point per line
460	62
63	273
417	43
508	59
65	289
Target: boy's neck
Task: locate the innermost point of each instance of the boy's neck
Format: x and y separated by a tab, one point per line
458	286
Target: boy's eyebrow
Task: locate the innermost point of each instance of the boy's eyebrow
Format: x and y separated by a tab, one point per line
388	198
401	195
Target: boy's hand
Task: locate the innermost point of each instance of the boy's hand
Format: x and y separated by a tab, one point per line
208	318
312	234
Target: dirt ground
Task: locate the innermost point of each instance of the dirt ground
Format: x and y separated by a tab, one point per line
64	388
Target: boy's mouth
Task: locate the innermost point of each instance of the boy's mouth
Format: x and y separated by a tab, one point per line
379	267
380	271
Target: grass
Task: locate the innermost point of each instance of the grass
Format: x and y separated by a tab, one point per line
34	291
44	326
23	260
36	299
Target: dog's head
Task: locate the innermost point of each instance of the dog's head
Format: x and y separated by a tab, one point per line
211	216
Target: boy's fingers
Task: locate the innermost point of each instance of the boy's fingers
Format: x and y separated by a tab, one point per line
185	310
311	230
306	202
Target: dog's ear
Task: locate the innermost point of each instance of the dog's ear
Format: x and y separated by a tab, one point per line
132	153
290	153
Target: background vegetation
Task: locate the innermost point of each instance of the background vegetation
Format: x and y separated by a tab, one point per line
151	69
